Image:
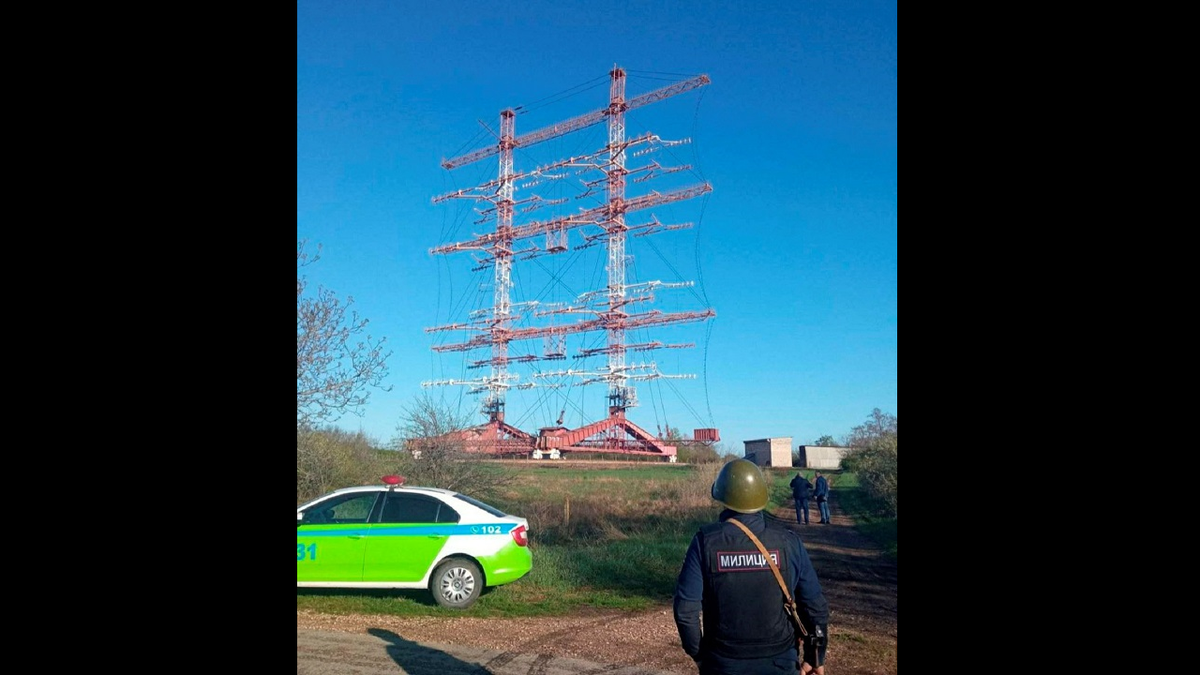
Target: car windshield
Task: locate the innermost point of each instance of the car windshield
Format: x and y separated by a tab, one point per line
486	507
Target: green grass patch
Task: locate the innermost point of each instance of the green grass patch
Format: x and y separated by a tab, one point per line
868	514
610	538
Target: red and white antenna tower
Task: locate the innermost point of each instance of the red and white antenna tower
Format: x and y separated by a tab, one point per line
495	327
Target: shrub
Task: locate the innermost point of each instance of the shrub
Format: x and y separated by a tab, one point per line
875	466
873	459
691	452
327	459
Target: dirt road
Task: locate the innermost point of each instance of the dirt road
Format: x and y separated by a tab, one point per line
381	652
858	581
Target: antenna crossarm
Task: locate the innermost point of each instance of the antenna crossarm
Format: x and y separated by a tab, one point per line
580	122
591	216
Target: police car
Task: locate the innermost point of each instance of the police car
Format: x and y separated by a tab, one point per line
393	536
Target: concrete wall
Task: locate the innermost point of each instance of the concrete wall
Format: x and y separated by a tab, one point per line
770	451
821	456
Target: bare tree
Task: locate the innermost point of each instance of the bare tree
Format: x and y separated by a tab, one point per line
879	425
433	451
335	362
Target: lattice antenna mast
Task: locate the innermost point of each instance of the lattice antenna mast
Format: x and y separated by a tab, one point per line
620	396
497	329
493	404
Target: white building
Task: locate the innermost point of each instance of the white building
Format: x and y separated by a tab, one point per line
770	451
821	456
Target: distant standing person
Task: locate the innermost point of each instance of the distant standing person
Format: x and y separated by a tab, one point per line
801	490
822	495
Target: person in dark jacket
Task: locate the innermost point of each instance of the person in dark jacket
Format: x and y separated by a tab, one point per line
822	495
801	489
728	604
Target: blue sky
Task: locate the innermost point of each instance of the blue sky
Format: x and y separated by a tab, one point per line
795	248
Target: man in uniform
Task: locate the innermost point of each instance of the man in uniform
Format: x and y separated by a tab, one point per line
746	630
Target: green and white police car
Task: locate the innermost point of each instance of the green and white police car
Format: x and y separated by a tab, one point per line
393	536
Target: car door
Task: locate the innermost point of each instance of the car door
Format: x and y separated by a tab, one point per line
331	538
411	531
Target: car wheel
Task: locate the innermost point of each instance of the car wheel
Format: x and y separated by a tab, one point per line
456	583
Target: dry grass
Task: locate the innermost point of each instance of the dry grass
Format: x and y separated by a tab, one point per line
613	505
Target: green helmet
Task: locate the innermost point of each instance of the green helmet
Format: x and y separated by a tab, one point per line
741	486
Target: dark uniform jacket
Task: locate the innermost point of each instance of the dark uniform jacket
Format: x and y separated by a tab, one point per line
801	488
822	492
725	576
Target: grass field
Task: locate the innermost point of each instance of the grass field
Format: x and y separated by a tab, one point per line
610	537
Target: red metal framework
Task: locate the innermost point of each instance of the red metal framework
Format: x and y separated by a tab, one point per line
494	327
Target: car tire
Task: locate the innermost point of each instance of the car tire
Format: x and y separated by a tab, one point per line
456	583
